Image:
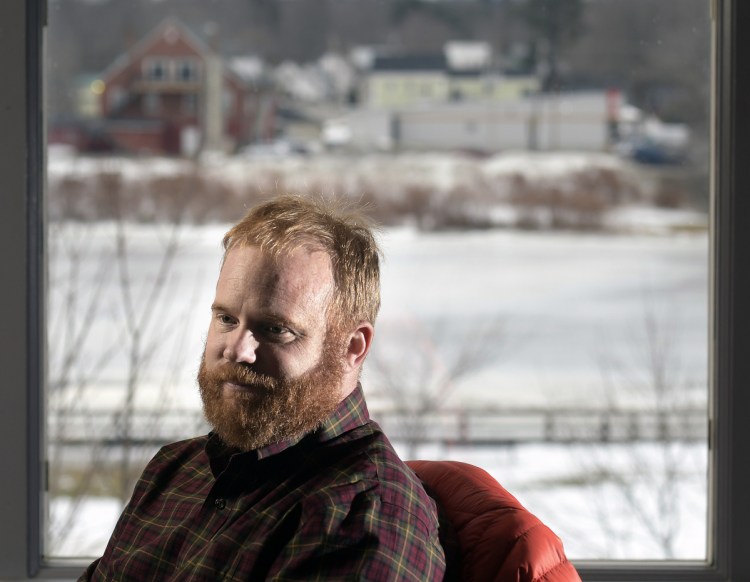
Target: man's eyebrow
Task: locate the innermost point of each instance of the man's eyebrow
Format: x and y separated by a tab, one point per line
278	318
268	316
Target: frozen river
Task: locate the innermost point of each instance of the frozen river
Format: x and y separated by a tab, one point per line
506	318
567	308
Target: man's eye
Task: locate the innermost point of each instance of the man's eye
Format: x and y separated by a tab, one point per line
224	319
276	329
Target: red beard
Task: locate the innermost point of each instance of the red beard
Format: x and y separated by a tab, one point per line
270	410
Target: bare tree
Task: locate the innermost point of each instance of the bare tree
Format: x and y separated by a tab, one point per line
637	485
555	25
654	481
419	365
110	323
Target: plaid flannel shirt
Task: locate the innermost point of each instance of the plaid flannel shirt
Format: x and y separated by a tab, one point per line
338	504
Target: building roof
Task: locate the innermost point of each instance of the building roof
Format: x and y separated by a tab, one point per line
414	62
141	47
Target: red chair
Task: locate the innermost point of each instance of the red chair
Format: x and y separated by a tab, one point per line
498	539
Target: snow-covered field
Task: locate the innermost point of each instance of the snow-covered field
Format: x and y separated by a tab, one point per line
656	515
545	319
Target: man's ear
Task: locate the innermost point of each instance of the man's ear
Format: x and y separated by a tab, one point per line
360	341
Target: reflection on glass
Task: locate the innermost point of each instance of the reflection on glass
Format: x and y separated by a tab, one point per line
540	170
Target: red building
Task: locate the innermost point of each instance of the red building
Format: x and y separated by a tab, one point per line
170	93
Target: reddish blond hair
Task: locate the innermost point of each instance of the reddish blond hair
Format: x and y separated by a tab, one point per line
288	222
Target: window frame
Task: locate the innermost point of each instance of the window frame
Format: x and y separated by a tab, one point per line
22	310
189	65
151	103
158	64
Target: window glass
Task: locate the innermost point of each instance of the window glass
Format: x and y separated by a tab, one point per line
151	104
156	69
187	70
190	104
545	308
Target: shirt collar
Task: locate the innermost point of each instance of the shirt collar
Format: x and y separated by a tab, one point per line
349	414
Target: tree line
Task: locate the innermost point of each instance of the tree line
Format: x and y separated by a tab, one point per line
656	51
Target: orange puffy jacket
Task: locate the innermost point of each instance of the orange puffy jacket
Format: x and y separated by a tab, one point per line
498	539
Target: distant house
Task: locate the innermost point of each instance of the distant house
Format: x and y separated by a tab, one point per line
460	100
170	93
463	71
578	121
401	80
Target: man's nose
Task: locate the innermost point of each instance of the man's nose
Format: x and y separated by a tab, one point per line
241	348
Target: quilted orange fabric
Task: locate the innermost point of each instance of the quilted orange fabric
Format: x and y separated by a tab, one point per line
499	540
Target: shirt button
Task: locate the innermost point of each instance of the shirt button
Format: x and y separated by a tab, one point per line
220	503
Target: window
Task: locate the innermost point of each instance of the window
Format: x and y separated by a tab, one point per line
20	217
156	69
187	70
151	104
190	104
116	99
599	305
228	102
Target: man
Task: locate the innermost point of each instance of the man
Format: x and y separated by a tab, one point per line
295	482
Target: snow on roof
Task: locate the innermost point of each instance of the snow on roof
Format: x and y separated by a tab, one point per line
248	68
363	56
307	83
467	55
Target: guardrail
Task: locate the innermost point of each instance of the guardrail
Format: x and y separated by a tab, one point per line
456	427
553	425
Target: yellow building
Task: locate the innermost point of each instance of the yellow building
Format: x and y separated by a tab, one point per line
460	73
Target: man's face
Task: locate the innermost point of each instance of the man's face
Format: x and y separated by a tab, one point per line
271	368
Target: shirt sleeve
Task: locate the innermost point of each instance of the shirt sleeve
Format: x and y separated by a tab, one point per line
95	571
91	573
86	576
343	536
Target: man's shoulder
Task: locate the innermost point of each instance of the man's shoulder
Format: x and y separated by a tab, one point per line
365	456
178	455
363	487
364	450
180	449
399	485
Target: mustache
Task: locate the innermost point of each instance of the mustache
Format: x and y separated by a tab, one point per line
240	374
